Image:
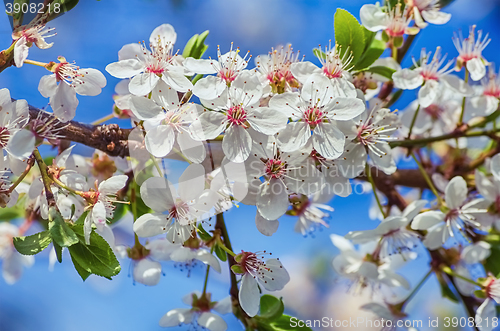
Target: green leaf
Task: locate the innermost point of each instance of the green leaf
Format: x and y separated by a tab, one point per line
319	53
200	46
203	234
19	15
446	292
369	37
59	7
492	263
271	308
349	34
81	271
59	230
118	213
286	322
195	47
81	219
9	214
58	250
189	46
371	54
221	254
237	269
97	258
382	71
33	244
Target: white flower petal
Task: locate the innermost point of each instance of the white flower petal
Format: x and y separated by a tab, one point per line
272	201
160	140
456	192
249	295
149	225
266	227
237	144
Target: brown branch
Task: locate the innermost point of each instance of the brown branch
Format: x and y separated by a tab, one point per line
110	139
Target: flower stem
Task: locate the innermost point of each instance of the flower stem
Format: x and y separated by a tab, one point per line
64	186
206	281
460	121
427	179
450	272
414	119
225	249
104	119
18	181
45	178
374	188
452	135
36	63
416	289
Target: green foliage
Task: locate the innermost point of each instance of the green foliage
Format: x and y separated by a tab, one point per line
64	7
370	55
59	230
382	71
221	254
97	258
58	250
349	35
319	53
271	308
19	15
33	244
286	322
203	234
195	47
446	292
492	263
271	316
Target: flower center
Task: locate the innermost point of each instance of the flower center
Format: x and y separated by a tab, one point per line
313	116
333	67
4	137
237	115
451	215
434	111
275	168
228	75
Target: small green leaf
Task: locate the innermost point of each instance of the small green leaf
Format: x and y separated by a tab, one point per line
319	53
58	250
271	308
221	254
9	214
59	230
97	258
480	294
349	34
446	292
492	263
195	47
189	46
369	37
371	54
238	269
18	16
286	322
81	271
203	234
382	71
59	7
34	244
200	46
118	213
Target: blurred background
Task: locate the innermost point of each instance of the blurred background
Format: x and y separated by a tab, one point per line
91	35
